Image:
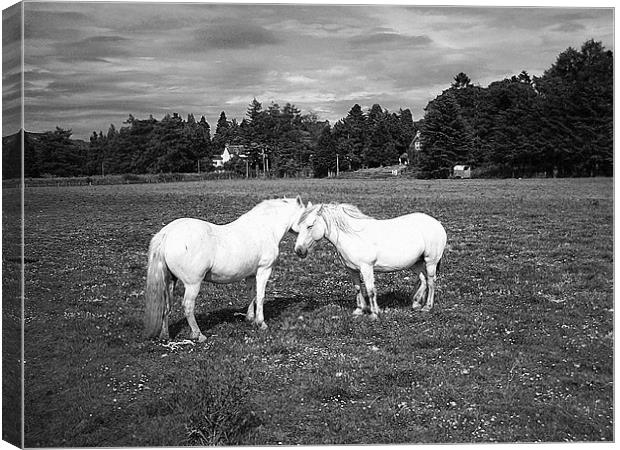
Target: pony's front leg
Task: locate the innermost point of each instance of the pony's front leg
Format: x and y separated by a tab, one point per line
368	276
361	302
262	276
251	285
419	295
189	300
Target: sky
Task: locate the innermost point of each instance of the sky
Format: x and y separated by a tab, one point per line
90	64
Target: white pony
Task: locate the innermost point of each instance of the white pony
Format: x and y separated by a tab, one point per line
192	250
366	245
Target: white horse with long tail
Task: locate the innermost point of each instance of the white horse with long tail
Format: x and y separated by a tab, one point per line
192	250
365	245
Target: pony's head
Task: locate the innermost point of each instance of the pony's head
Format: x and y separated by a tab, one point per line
299	209
310	228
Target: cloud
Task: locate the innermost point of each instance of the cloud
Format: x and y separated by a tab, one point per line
235	36
568	27
51	23
89	61
11	29
386	40
93	48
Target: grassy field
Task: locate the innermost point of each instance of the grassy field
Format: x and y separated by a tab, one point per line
519	347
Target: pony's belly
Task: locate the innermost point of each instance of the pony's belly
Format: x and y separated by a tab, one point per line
231	269
393	259
225	278
394	265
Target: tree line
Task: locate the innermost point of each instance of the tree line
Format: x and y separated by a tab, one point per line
558	124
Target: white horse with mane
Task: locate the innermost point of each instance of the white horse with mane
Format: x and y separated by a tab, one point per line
192	250
366	245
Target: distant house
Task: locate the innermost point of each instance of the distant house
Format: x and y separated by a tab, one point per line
236	150
217	161
461	171
228	153
220	160
414	147
417	142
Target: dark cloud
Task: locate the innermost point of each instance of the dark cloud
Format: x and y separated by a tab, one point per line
11	25
84	86
93	48
11	93
50	23
235	36
387	40
11	78
11	39
568	27
528	18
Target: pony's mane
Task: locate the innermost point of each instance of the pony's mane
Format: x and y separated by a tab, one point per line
274	202
338	214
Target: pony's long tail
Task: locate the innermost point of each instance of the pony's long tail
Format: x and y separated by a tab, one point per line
156	292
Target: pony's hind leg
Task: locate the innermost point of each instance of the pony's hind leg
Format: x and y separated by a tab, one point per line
165	334
361	302
419	295
189	301
431	276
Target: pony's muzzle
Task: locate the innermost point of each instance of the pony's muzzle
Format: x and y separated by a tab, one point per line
301	252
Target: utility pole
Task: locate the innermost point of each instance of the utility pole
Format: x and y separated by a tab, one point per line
337	165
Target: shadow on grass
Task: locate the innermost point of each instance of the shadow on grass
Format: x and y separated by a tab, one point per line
396	300
272	310
276	307
392	299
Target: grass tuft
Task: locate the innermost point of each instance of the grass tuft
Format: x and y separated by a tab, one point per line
218	407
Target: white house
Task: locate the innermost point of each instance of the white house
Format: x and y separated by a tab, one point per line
461	171
414	148
220	160
228	153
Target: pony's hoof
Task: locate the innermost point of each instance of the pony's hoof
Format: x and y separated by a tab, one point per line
426	309
416	306
358	312
262	326
200	337
374	316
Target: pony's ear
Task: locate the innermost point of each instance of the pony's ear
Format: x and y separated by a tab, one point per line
299	201
309	204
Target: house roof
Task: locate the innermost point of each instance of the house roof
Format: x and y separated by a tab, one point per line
461	167
235	149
